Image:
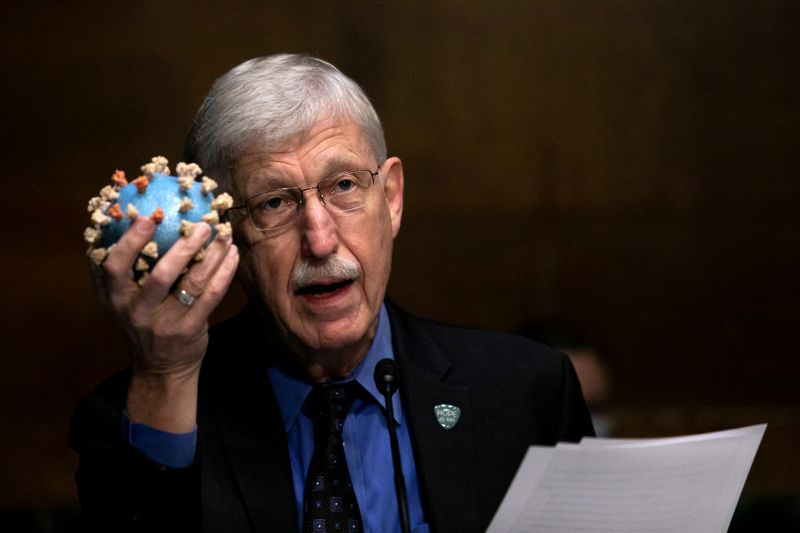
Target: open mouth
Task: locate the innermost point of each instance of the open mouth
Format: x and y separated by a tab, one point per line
323	288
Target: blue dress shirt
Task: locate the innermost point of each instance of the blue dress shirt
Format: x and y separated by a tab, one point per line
366	442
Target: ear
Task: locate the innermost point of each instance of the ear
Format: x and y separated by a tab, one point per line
393	183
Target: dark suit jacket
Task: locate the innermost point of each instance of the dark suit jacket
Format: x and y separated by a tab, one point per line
512	393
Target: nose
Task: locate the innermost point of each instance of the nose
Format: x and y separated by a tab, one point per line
320	232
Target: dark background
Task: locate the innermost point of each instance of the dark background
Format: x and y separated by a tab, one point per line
631	165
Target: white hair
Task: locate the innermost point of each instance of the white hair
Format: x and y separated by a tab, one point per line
270	100
335	267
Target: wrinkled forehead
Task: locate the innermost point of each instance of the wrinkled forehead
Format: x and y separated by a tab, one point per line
328	146
285	135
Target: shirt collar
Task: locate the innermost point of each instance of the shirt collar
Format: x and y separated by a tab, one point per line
291	391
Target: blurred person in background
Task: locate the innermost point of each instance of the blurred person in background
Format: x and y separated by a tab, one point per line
590	362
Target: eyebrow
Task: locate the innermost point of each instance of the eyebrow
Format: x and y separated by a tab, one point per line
267	180
339	164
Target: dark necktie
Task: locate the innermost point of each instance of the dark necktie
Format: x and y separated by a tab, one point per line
330	504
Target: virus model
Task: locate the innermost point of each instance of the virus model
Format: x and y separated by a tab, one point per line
174	203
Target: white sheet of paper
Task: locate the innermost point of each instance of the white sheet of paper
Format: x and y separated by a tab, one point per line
677	484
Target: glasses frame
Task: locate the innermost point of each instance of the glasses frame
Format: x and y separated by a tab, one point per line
302	202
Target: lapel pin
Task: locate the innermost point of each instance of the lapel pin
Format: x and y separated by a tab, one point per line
447	415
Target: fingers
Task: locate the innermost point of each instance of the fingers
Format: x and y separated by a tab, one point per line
194	282
117	270
171	265
207	280
122	256
217	284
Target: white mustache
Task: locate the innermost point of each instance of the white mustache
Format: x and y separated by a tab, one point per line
336	267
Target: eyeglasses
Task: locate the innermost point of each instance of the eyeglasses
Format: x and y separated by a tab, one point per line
341	193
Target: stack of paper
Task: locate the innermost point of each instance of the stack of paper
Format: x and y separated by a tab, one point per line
680	484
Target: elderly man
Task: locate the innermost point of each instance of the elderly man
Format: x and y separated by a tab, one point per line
226	429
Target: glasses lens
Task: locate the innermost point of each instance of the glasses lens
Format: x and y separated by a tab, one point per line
343	192
346	191
273	209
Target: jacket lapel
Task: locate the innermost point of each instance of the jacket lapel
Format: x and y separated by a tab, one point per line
256	447
251	433
444	458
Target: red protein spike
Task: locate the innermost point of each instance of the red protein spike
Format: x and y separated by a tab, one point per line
115	212
158	215
141	184
118	177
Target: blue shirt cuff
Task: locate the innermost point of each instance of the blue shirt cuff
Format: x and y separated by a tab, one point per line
175	450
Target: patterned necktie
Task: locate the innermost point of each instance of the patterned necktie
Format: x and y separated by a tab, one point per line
330	504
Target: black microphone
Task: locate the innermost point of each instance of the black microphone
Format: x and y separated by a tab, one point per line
387	379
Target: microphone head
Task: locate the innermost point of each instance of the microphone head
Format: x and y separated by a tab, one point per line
387	376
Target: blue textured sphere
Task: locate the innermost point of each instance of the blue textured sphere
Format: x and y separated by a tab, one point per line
162	192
